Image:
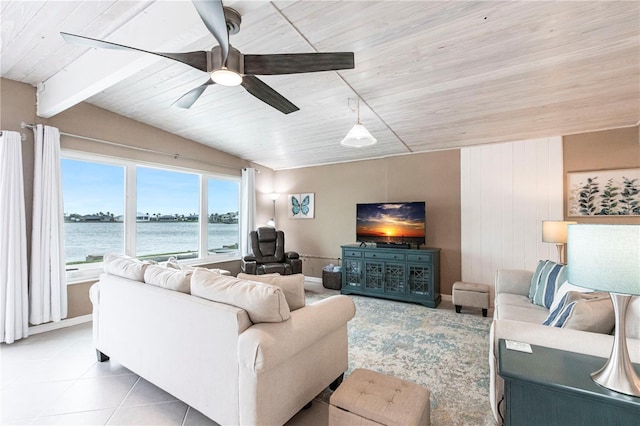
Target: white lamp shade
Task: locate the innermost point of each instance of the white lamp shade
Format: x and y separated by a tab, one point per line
274	196
358	137
605	257
555	231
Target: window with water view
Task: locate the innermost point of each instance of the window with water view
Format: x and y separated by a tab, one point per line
93	195
167	220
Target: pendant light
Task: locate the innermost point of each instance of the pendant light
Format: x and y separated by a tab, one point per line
358	136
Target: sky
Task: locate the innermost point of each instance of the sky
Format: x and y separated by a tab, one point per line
93	187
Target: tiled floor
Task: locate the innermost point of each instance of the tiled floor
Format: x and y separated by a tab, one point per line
54	378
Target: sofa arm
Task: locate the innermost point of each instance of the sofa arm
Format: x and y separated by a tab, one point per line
514	281
266	345
94	296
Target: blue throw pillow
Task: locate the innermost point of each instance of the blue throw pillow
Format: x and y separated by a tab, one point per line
545	281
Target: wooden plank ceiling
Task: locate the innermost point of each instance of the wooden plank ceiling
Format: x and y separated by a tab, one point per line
431	75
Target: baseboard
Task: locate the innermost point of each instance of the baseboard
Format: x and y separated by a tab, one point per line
313	279
446	297
50	326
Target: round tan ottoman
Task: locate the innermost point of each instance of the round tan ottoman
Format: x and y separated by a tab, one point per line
471	295
370	398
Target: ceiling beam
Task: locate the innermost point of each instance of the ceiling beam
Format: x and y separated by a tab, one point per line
163	26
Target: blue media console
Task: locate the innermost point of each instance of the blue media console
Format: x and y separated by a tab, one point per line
392	273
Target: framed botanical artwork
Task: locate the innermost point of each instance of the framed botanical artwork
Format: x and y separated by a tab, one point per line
604	193
301	206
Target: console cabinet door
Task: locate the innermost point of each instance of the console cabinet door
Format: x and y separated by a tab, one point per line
395	279
420	278
374	276
352	267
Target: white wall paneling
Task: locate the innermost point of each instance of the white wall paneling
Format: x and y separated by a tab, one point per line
508	189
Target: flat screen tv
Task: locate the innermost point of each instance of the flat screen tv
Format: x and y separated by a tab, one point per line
391	223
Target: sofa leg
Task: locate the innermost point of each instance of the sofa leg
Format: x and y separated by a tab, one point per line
101	357
484	312
306	407
334	385
458	308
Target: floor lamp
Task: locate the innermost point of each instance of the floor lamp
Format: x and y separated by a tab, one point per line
555	231
274	197
607	258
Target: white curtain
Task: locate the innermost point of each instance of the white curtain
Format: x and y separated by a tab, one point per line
48	287
14	316
248	209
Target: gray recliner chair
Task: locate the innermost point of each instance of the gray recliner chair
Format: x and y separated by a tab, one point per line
268	254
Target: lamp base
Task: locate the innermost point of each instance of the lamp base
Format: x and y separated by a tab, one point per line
618	373
561	259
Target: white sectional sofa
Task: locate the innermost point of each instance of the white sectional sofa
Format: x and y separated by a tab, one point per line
217	357
516	318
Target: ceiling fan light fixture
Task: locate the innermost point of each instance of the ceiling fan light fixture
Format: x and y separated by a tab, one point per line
226	77
358	137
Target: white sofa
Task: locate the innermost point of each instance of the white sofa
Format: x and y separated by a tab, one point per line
211	356
516	318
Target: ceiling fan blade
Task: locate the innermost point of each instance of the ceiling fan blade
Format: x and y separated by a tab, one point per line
212	14
266	94
188	99
292	63
196	60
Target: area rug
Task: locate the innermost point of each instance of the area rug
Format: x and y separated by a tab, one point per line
436	348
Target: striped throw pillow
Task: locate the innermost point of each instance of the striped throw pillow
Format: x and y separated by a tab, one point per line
584	311
545	281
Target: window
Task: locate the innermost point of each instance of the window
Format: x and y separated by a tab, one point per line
223	230
167	214
93	196
117	206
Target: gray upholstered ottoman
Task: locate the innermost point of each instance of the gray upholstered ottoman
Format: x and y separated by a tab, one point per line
471	295
370	398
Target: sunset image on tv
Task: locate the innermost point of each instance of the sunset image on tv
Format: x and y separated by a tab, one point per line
391	222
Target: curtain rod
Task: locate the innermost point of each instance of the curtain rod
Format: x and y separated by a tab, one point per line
121	145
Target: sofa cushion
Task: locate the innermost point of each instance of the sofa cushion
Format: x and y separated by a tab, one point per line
546	279
584	311
291	285
263	302
125	266
533	314
168	277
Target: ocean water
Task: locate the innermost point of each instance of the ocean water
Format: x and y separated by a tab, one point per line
83	239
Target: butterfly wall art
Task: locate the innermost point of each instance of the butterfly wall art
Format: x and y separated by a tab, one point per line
301	206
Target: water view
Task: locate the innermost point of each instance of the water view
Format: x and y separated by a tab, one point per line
89	241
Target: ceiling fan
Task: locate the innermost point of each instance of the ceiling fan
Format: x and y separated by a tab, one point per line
228	67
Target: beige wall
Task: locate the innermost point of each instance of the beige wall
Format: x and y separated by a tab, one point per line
609	149
19	104
431	177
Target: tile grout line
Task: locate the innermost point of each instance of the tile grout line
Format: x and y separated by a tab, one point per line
123	400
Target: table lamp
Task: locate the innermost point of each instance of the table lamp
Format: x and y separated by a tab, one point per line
555	231
607	258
